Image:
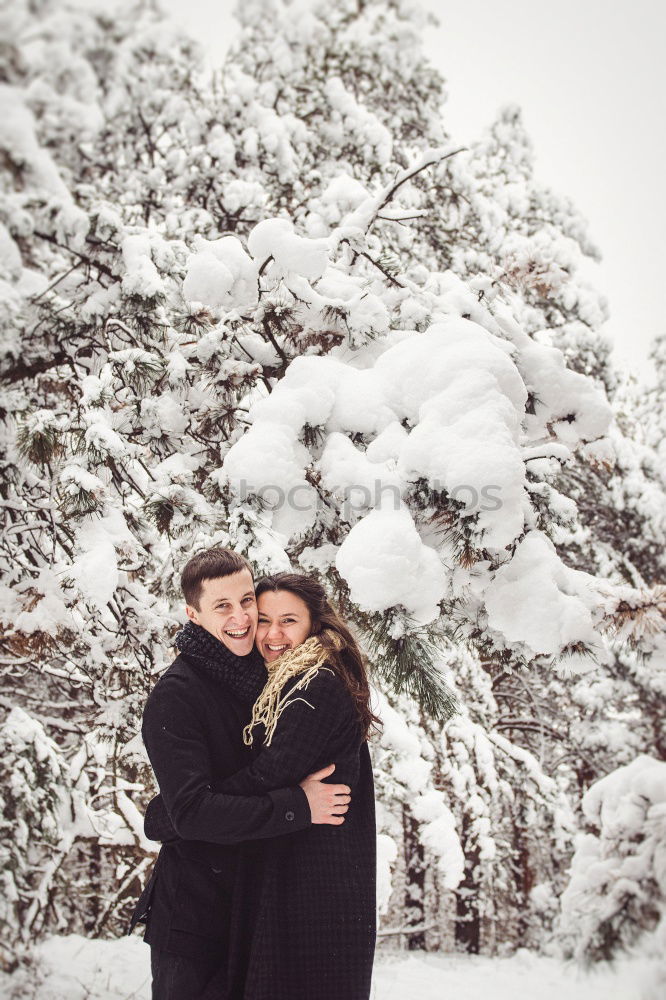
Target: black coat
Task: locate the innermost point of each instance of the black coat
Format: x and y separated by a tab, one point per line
304	916
192	730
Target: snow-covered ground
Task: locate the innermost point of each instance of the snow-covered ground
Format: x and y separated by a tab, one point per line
74	968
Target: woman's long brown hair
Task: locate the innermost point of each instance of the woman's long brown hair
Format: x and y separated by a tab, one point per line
348	662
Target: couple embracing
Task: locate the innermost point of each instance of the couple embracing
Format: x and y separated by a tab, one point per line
264	887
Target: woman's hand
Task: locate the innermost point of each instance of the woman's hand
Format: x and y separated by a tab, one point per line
328	803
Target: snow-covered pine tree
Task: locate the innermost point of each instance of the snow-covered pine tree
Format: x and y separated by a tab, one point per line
34	777
90	357
614	901
505	226
650	406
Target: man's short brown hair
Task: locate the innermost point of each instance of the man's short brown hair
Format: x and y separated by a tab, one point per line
209	565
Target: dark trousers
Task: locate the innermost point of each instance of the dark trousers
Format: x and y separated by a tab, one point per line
176	977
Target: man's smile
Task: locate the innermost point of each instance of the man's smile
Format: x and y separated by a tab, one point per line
238	633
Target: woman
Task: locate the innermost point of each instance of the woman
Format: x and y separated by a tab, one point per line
304	904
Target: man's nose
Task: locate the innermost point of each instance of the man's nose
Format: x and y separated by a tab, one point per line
240	615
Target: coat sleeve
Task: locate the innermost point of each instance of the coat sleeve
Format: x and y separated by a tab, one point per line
175	741
305	734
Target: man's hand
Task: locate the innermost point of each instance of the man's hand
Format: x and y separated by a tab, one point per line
328	803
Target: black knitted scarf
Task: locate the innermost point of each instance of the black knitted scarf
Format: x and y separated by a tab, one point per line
245	676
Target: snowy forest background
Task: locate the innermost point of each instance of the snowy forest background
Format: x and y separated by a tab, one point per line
279	307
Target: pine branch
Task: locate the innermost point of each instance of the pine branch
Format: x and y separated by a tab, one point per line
403	653
641	613
102	268
23	371
408	665
429	159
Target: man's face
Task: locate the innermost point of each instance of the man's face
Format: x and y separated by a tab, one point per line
228	610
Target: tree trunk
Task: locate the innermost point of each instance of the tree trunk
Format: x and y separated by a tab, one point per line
414	882
468	923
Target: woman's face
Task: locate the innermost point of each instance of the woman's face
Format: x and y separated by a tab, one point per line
284	623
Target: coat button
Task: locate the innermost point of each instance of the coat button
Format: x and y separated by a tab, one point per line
289	815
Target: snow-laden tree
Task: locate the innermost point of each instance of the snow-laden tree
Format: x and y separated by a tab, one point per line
83	627
34	774
482	214
280	309
615	900
651	405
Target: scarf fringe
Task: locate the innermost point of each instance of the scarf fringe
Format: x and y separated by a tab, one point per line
307	659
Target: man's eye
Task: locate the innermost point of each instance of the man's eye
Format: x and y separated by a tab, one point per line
250	599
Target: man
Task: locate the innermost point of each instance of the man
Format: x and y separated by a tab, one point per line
192	729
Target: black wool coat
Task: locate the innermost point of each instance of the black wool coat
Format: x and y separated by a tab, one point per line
192	729
303	925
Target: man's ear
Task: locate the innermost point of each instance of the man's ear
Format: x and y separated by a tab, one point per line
191	614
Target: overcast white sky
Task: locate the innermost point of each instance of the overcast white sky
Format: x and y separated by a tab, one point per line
590	76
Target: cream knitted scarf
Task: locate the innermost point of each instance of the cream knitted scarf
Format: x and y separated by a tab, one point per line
306	659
